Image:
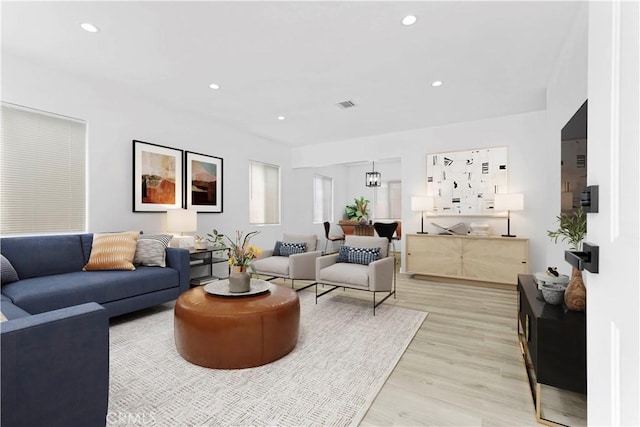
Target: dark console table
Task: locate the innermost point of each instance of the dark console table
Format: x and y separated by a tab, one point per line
553	341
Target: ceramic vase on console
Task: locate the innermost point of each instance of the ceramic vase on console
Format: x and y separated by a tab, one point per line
575	296
362	221
239	279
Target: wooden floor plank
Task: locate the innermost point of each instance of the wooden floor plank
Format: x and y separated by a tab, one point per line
464	366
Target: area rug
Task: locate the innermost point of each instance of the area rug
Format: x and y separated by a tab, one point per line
343	357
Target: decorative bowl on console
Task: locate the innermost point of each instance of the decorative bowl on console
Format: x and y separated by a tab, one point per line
479	229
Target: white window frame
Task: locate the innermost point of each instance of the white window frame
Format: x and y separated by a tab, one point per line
322	213
383	205
43	176
258	195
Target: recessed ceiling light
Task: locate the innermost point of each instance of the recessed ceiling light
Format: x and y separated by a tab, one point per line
409	20
281	117
436	83
214	86
89	27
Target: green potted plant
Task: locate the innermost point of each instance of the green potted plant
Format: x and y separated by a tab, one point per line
216	239
572	229
358	210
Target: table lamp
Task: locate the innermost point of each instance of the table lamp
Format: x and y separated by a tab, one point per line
422	203
182	221
508	202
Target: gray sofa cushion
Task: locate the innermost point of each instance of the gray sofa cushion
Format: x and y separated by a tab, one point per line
40	294
277	265
35	256
343	273
7	272
10	310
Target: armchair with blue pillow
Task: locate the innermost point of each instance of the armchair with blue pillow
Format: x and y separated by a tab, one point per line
363	264
291	258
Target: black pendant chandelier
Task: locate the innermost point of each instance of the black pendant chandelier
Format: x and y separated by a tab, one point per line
373	178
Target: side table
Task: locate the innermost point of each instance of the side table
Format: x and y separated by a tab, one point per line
205	257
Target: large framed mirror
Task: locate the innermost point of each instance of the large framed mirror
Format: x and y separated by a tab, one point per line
573	176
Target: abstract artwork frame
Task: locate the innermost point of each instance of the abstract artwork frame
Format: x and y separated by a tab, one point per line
203	182
465	182
157	177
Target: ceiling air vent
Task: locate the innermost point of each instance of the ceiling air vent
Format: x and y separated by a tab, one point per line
346	104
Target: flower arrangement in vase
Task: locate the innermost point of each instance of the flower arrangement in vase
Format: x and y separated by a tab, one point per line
241	253
572	229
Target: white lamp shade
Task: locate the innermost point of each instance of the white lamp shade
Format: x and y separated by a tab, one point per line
422	203
182	220
508	202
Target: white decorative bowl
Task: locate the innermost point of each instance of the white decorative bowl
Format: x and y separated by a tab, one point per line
479	229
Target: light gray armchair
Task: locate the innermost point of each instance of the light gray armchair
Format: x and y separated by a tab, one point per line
287	264
363	264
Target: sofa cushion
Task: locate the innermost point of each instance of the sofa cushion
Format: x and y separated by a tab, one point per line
355	255
348	274
151	250
368	242
35	256
7	272
310	239
113	251
40	294
276	265
287	249
10	310
276	248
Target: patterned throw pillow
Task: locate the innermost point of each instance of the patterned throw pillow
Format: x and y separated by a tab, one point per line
343	254
287	249
7	272
276	248
151	250
355	255
113	251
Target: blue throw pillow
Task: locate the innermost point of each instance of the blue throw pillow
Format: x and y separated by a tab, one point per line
7	272
343	255
287	249
354	255
276	248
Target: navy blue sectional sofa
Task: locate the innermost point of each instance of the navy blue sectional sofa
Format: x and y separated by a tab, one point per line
55	343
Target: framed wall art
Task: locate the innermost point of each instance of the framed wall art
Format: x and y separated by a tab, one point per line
465	182
203	182
157	177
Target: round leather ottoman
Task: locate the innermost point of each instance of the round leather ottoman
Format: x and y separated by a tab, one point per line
236	332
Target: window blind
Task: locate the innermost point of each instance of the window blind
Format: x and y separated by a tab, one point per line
388	199
264	193
322	199
42	172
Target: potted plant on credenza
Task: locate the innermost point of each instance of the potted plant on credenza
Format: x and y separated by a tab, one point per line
572	229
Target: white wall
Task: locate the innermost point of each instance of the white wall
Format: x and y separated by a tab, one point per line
116	117
529	162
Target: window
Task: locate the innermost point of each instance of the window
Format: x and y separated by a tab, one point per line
43	185
388	200
264	193
322	199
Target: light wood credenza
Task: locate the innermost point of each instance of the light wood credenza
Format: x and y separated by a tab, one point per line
492	259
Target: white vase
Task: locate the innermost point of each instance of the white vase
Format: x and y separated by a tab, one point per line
239	281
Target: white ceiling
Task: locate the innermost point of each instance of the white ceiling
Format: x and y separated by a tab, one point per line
299	59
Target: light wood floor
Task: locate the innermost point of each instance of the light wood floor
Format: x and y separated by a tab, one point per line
464	366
